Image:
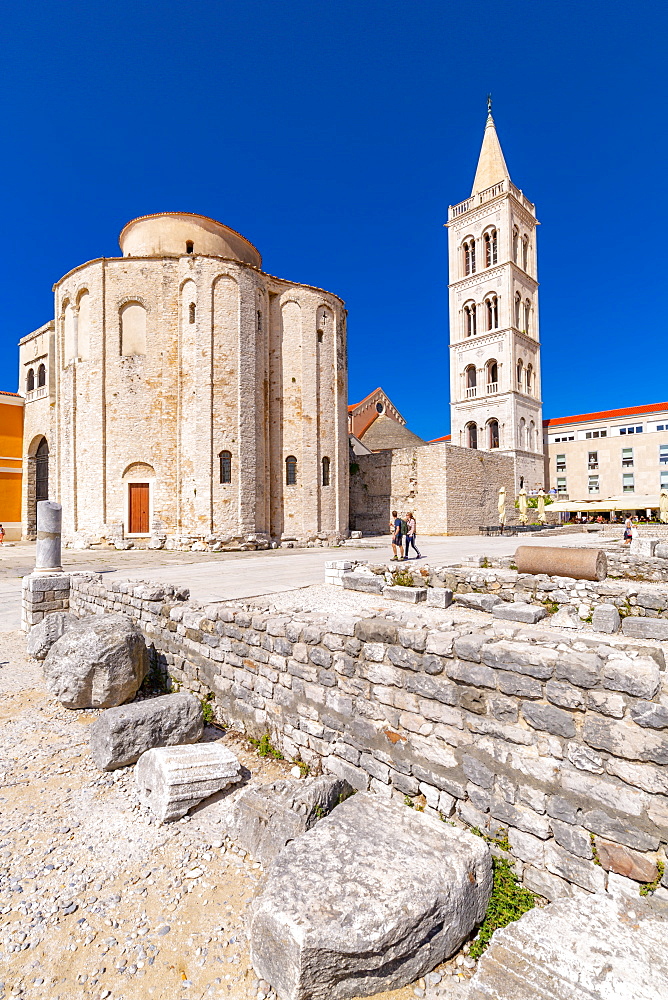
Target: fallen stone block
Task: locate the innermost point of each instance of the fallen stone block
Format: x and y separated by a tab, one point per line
99	662
578	564
566	617
605	618
171	780
591	947
661	551
409	595
644	547
517	611
121	735
439	597
364	582
264	818
645	628
478	602
42	636
625	861
371	898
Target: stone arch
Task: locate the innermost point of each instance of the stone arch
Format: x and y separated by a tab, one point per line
132	327
138	470
37	480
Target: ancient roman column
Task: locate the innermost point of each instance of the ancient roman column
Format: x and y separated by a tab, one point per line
49	526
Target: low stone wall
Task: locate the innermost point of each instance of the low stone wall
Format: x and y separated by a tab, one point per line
43	594
559	742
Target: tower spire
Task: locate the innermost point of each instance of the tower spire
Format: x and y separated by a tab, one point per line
491	163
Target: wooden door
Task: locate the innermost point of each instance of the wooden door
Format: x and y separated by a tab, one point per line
138	509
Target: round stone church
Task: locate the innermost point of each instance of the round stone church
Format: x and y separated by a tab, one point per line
182	394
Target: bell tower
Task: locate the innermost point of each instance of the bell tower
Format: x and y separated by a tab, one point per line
495	399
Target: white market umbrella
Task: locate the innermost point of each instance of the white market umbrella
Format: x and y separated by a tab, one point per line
522	499
541	508
663	506
502	506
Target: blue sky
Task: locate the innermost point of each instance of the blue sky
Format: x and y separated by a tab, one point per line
334	135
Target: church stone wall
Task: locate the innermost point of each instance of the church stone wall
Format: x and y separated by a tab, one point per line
451	490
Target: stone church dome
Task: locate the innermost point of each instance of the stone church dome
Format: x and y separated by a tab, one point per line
174	234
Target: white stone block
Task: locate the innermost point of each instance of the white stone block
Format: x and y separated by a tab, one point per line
171	780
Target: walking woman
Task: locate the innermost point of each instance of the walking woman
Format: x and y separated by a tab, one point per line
411	533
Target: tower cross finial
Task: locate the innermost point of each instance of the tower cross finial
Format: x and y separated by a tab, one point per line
489	104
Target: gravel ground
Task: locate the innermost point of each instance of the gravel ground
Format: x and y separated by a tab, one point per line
96	900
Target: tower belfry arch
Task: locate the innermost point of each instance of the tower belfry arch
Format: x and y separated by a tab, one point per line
494	332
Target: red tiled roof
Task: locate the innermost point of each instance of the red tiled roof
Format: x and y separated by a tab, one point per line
353	406
607	414
436	440
4	392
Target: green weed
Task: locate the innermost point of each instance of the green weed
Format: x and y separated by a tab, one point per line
509	900
265	749
649	887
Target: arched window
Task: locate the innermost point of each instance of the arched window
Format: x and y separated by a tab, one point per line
527	316
529	379
493	431
225	466
521	434
291	471
192	312
325	471
471	435
471	381
470	319
492	306
190	246
30	380
41	376
492	376
42	471
491	247
468	247
525	253
133	328
516	237
518	309
531	437
520	370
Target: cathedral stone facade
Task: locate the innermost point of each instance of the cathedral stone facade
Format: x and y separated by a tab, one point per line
182	394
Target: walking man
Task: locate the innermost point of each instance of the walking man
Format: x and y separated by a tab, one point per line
395	528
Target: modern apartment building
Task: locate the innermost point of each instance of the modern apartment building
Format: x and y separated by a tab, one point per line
592	456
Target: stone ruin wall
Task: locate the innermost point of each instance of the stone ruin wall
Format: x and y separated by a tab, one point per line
559	740
451	490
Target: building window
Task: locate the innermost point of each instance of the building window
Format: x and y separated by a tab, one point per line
321	336
663	454
529	379
518	309
531	435
631	430
30	380
561	463
379	408
516	237
325	472
492	376
291	471
664	480
41	376
190	246
492	305
522	429
470	319
561	486
225	466
133	328
471	376
592	460
469	256
525	253
520	369
259	321
471	435
493	433
559	440
627	458
595	434
628	483
192	312
660	427
527	316
593	484
491	248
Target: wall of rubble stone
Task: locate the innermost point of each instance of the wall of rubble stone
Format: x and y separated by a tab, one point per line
560	741
451	490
